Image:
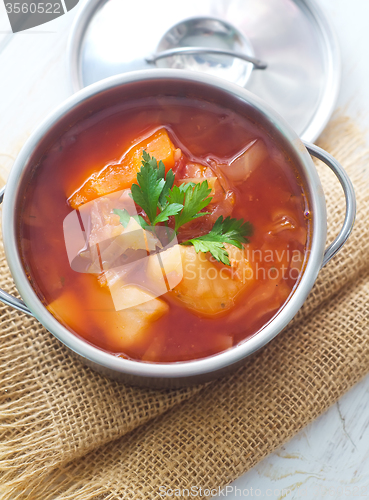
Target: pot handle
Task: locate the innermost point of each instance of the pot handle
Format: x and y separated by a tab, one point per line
205	50
349	193
5	297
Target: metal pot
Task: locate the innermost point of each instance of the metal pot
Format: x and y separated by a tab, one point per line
174	82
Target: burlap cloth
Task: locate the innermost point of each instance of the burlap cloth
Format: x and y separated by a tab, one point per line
69	433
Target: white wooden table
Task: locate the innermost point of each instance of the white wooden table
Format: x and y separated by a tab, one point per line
328	459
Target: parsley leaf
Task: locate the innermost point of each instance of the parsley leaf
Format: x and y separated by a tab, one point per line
160	172
151	161
193	198
146	193
216	249
186	186
169	181
170	209
123	216
152	189
232	231
176	195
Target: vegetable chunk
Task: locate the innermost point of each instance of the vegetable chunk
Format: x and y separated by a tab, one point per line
121	175
131	325
246	162
123	328
210	288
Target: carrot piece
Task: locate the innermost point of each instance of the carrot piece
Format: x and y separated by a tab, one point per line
122	175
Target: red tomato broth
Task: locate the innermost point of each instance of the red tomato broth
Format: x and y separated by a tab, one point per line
207	134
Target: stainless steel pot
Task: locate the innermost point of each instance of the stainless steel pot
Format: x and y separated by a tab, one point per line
174	82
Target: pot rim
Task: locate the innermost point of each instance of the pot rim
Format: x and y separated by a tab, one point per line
183	369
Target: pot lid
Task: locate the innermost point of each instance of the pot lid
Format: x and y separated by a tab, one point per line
296	61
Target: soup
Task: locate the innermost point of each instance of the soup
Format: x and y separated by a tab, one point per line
165	284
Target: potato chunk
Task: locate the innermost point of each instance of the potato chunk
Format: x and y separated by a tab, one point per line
165	269
122	175
122	329
129	326
67	307
210	288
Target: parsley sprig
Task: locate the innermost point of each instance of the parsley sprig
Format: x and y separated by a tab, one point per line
157	195
152	188
193	198
232	231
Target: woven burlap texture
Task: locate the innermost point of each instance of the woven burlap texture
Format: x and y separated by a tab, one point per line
69	433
